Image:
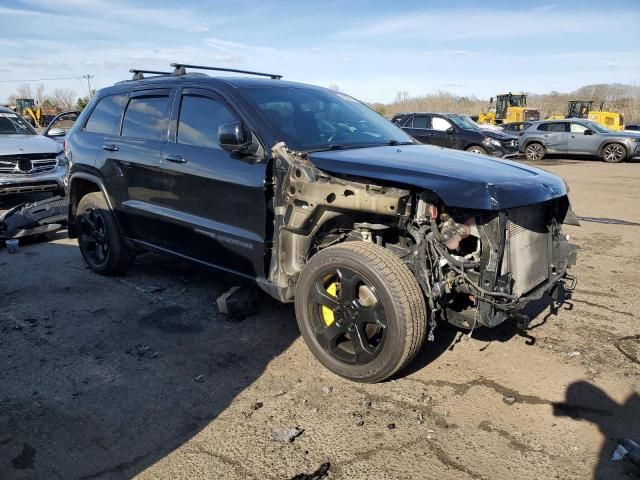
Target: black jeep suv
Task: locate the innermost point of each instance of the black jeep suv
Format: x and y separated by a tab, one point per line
319	200
451	130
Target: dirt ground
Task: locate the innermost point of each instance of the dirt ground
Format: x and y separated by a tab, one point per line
140	376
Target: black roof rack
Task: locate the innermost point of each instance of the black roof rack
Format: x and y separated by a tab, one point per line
180	69
139	74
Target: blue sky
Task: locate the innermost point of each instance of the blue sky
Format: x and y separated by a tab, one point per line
370	49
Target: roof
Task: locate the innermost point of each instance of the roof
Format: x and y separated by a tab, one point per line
6	110
207	79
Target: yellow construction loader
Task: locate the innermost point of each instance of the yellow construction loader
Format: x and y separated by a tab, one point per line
584	109
509	108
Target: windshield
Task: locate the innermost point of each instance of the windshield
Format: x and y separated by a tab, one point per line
12	124
310	119
596	127
464	122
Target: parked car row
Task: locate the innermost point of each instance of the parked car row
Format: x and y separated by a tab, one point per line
533	139
457	131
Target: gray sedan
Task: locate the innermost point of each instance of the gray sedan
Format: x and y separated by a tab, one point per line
577	137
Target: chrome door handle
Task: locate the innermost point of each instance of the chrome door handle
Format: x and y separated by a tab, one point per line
175	158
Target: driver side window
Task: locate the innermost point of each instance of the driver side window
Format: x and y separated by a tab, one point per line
577	128
440	124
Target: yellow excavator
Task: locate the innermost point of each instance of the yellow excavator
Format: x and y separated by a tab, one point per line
509	108
26	107
584	109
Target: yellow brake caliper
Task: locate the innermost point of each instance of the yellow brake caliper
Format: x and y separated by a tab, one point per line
327	313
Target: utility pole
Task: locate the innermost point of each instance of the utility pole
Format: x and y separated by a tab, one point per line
88	79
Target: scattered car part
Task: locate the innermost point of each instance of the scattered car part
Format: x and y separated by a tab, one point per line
37	218
237	302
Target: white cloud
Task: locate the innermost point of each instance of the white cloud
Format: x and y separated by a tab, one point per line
198	29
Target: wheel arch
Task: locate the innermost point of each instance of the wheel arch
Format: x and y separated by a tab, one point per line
612	141
80	184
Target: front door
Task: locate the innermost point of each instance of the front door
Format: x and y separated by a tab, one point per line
579	142
442	133
215	204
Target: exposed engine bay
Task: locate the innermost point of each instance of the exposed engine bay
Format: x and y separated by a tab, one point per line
475	267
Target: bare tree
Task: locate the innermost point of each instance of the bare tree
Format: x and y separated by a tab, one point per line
24	91
64	98
40	96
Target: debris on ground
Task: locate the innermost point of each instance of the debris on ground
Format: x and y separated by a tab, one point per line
37	218
286	434
627	448
143	351
391	426
198	378
238	302
629	347
327	390
509	400
573	354
257	406
13	246
319	474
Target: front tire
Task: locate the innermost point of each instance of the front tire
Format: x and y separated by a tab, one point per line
360	311
534	151
477	149
99	238
614	153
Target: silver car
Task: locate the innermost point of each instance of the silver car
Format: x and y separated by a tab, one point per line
577	137
28	162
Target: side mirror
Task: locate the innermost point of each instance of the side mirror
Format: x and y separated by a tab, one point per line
56	132
588	132
234	137
491	100
450	130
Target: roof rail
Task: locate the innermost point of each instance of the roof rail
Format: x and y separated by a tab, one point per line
139	74
180	69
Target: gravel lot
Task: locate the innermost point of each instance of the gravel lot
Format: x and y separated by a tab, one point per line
118	377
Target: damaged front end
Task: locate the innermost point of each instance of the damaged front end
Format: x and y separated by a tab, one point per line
480	268
476	267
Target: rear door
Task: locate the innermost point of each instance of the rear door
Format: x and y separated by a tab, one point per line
216	201
557	137
130	164
581	143
418	127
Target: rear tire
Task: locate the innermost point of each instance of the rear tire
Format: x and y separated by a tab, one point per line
99	238
376	307
477	149
614	153
534	151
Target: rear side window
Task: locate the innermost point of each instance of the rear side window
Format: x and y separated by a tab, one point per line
105	117
543	127
420	121
558	127
199	120
146	118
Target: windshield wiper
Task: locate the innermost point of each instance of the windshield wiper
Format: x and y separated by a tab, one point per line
393	143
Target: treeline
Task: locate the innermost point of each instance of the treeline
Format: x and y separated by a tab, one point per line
617	97
59	99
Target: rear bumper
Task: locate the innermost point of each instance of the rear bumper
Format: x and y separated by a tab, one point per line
52	181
